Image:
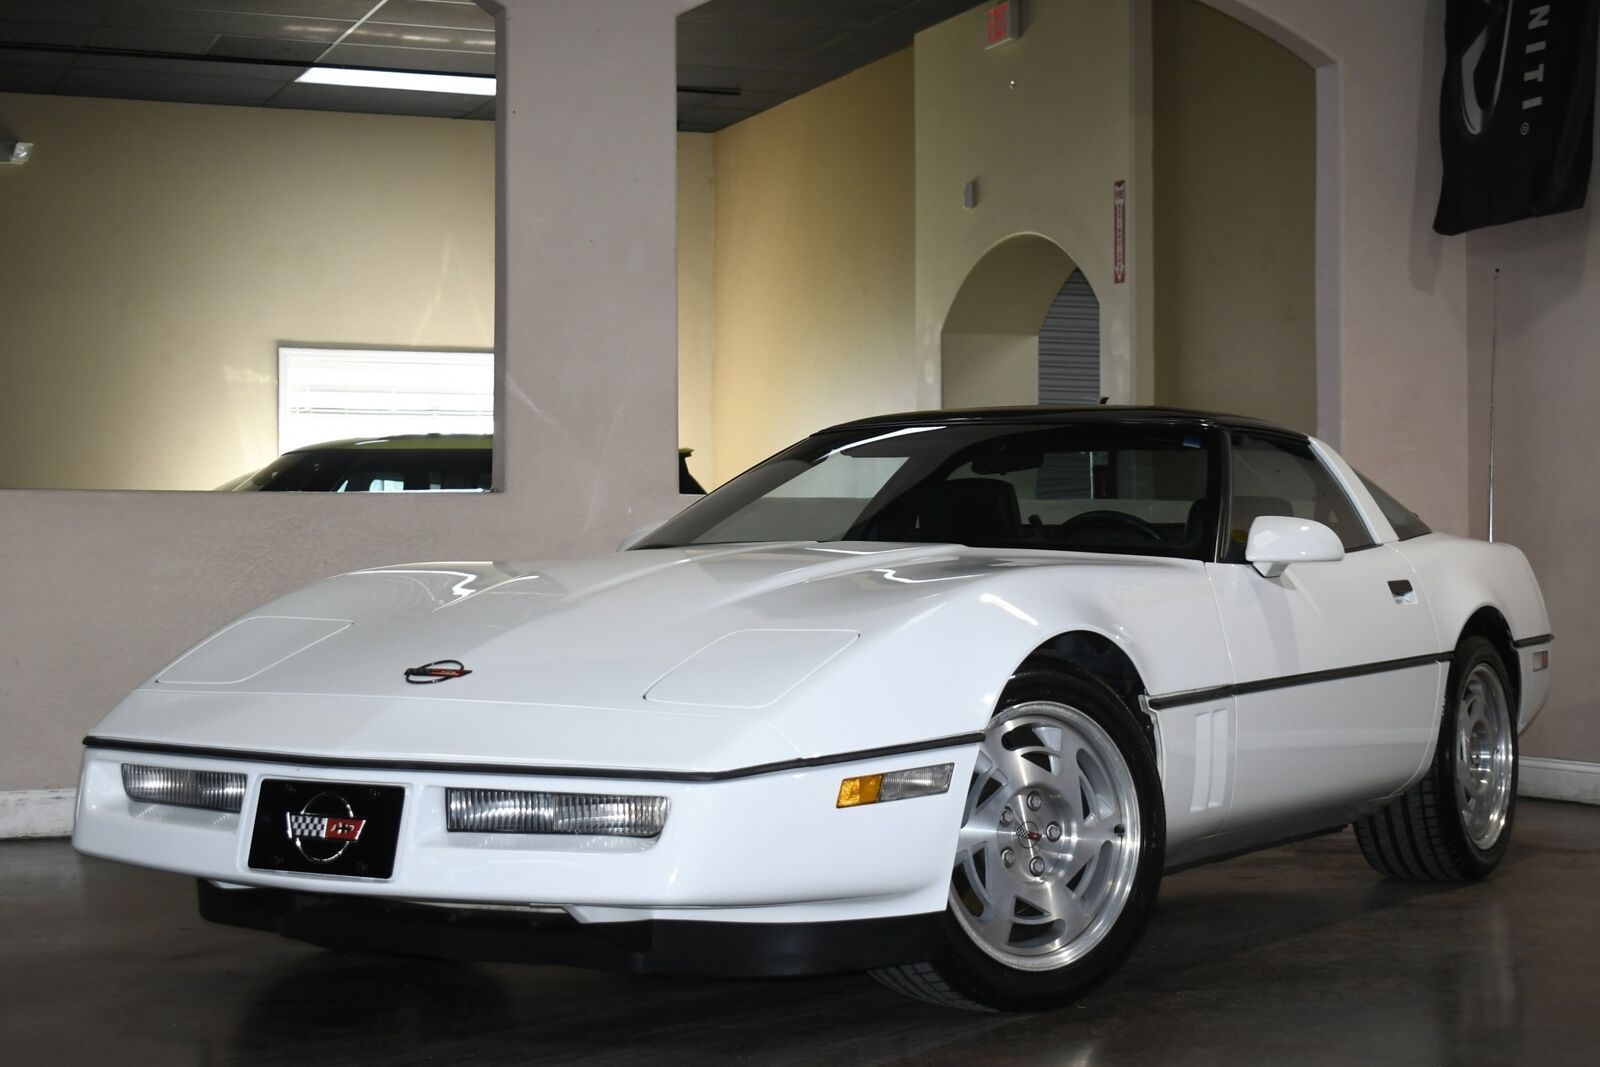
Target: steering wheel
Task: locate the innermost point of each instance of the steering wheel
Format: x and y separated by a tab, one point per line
1113	518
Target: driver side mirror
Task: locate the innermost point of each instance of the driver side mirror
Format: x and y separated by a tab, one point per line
1279	540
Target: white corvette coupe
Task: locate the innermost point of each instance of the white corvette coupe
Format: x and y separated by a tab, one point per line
937	695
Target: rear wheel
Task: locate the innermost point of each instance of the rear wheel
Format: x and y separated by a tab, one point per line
1455	824
1060	851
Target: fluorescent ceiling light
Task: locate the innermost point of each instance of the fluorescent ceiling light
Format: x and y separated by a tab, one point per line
462	84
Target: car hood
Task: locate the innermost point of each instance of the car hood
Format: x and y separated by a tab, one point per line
683	657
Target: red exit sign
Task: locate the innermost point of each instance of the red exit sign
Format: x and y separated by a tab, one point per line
1004	23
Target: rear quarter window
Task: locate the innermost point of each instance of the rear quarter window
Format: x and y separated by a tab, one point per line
1405	521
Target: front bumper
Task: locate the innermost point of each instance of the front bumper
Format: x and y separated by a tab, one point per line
658	946
771	848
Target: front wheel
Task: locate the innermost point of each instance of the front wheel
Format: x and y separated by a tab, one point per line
1060	851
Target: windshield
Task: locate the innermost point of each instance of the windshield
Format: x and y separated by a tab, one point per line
1146	489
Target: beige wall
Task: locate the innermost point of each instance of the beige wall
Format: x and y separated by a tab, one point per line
1404	327
1547	439
981	370
697	249
1392	375
157	253
989	352
1046	127
1235	206
814	264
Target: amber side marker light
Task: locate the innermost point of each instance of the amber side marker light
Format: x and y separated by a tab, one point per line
895	785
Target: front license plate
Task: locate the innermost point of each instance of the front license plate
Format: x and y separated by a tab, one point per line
326	828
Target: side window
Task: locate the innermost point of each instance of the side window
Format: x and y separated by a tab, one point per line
1403	519
1274	476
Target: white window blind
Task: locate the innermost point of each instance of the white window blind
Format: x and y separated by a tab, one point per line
326	394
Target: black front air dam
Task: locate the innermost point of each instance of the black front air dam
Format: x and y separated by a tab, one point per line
660	946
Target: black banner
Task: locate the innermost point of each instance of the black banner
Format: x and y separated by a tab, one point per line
1516	117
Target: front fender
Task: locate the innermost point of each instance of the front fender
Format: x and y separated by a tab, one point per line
941	671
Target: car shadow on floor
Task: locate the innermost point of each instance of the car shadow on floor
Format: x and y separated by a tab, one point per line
405	1010
410	1010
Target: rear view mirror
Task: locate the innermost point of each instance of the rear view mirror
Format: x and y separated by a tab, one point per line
1279	540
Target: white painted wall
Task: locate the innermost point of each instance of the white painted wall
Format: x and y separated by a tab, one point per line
1547	440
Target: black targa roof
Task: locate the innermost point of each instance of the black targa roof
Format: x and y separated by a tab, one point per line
1062	415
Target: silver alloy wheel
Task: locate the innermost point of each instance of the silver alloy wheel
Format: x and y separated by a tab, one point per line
1483	756
1050	838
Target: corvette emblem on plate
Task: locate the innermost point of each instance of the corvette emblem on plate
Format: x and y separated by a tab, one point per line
324	828
441	670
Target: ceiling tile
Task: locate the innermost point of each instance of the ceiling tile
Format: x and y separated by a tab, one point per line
28	77
21	57
226	23
365	55
345	10
747	77
441	37
151	40
841	16
869	46
87	12
268	48
742	36
745	102
54	34
771	50
433	13
165	86
138	67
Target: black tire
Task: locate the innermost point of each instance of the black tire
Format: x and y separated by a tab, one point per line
960	973
1421	835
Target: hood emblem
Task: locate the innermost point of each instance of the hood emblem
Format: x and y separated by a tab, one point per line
324	828
441	670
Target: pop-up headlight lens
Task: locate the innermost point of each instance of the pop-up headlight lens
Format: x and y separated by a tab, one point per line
213	790
509	811
895	785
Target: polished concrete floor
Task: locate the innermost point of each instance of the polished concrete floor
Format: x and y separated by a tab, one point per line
1295	956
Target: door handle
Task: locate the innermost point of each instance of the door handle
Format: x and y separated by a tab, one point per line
1402	592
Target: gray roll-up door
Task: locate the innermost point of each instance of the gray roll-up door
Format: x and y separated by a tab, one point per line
1069	346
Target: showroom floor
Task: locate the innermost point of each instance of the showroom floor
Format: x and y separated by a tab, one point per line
1297	955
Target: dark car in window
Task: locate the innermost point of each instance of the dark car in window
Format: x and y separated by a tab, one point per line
403	463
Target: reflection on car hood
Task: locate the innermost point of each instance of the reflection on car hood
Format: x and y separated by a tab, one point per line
585	632
707	657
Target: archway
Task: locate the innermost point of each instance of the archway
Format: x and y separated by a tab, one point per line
991	348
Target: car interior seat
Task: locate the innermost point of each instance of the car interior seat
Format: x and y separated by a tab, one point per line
969	511
1245	511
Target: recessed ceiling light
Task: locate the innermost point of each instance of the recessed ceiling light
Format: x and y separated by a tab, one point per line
461	84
